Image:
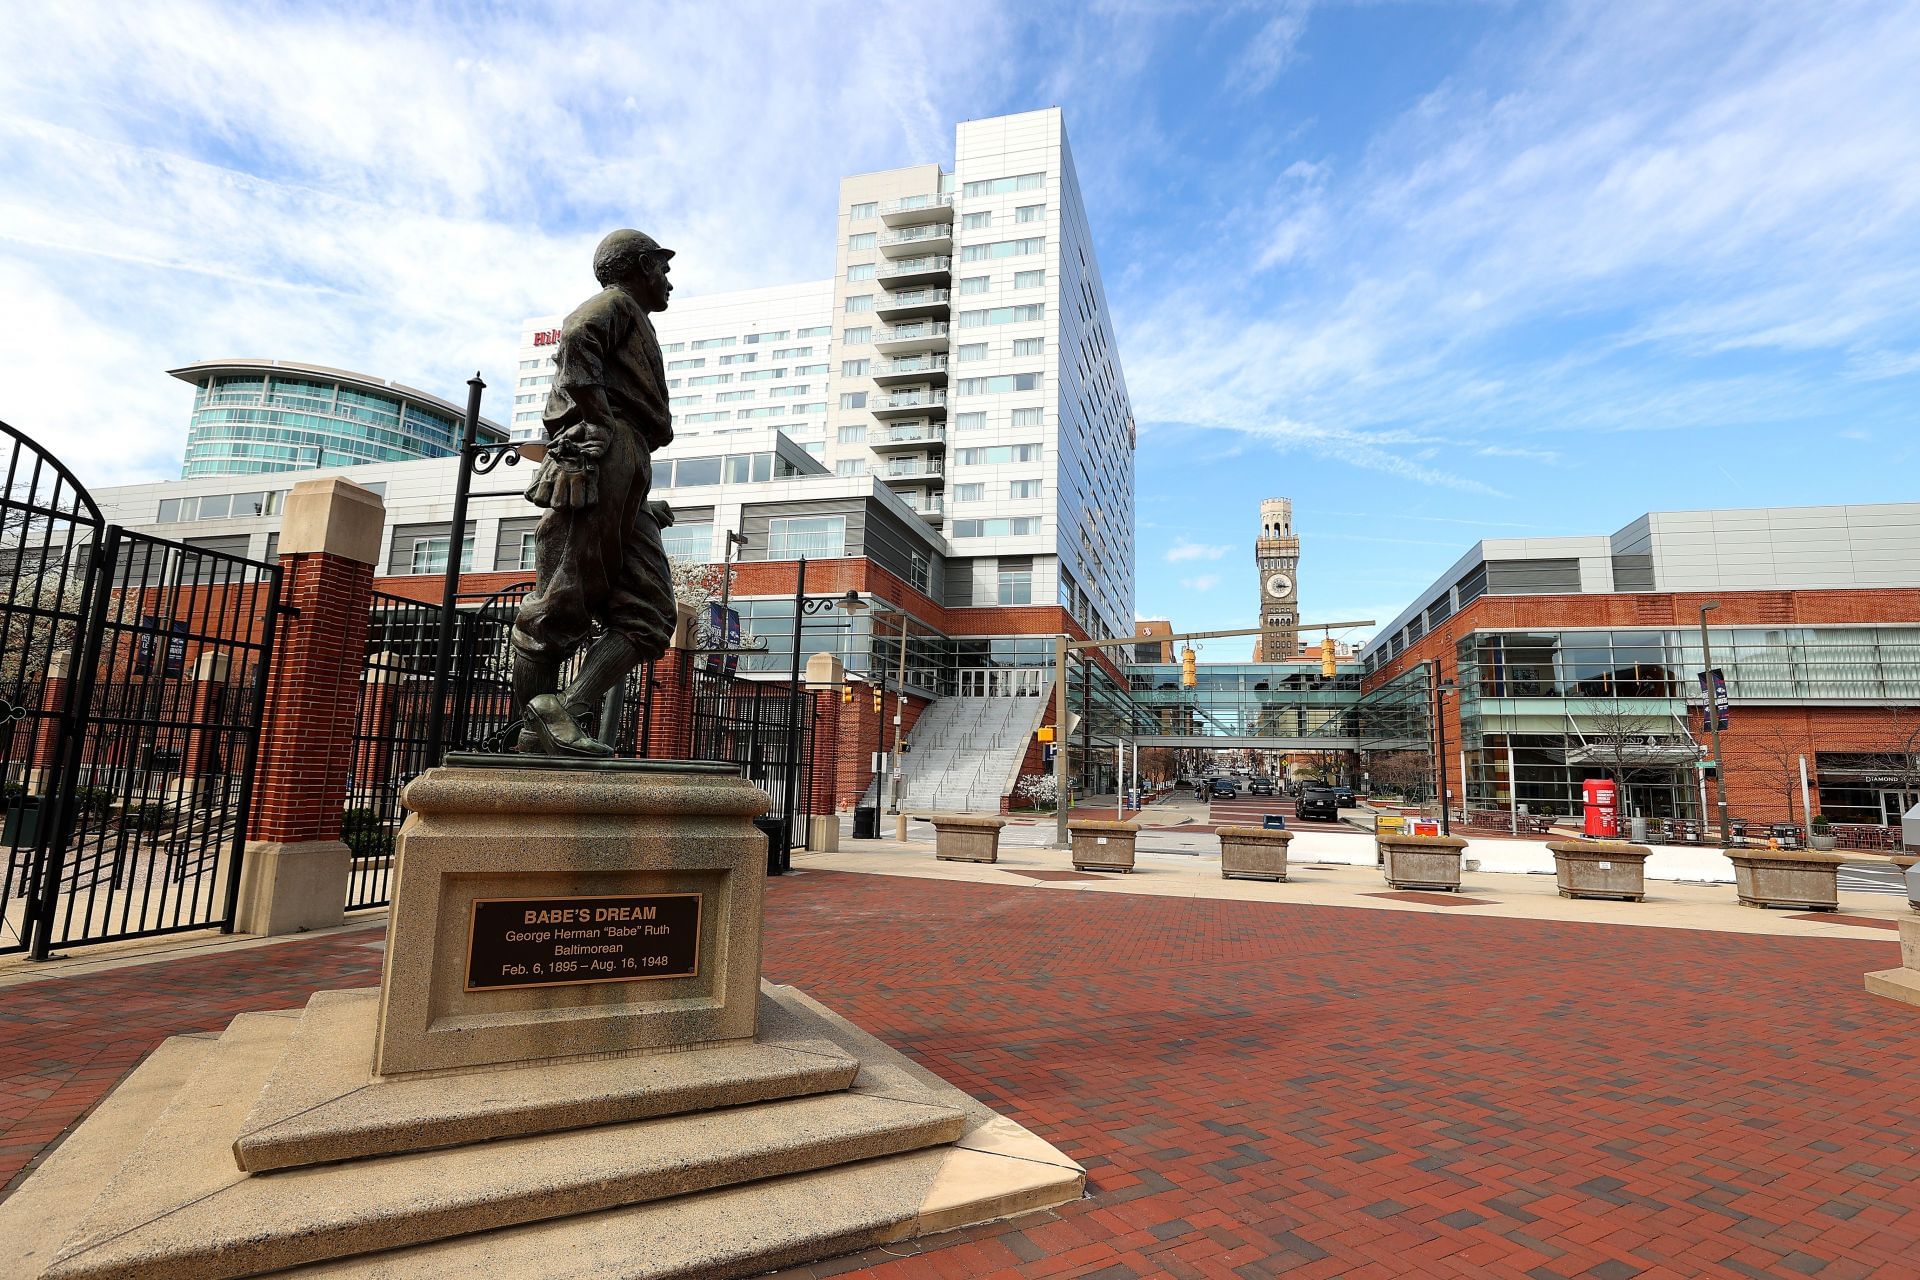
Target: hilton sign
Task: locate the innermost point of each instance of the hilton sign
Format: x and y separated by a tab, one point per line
546	338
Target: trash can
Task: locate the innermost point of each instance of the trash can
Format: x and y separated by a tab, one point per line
779	844
1913	886
22	823
1273	822
1638	824
866	822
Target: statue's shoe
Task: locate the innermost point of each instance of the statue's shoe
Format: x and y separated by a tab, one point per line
549	717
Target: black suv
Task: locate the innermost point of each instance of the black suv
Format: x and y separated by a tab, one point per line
1321	803
1222	788
1261	787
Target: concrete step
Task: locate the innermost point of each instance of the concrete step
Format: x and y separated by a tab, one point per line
323	1104
180	1207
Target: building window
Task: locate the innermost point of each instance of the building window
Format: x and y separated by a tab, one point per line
850	467
695	362
789	537
862	240
972	351
1003	249
853	435
989	455
726	397
855	368
1030	213
744	357
1016	581
857	336
976	421
762	375
861	212
975	284
695	472
970	493
710	380
1029	346
707	344
853	399
692	543
790	353
1023	489
1029	417
1000	186
1003	315
860	271
975	221
1029	279
996	385
1011	526
863	302
429	555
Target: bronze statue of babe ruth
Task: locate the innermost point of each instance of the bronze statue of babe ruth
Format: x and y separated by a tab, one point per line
597	552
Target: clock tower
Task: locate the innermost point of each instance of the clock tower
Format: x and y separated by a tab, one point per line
1277	553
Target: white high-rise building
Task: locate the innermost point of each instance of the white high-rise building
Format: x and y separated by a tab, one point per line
962	353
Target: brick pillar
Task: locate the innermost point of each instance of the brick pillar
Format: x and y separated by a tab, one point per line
825	676
670	735
295	873
53	700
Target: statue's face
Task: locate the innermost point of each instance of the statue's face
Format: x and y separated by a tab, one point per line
650	284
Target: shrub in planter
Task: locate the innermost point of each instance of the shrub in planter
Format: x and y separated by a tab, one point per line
1822	833
92	802
365	834
149	819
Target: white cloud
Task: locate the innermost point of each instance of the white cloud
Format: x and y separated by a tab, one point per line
1182	549
1204	582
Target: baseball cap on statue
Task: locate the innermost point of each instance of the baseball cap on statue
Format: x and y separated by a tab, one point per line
622	248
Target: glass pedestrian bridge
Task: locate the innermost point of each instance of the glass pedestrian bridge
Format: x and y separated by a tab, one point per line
1272	706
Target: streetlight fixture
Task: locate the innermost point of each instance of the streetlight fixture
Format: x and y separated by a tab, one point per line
1711	698
1441	688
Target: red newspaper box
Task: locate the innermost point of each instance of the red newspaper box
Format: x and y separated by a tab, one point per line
1602	806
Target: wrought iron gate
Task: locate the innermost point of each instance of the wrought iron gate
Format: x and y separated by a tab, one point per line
133	676
767	729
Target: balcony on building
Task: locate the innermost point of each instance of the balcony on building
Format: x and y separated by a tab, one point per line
910	402
929	367
901	437
931	268
914	472
911	242
913	304
913	211
926	504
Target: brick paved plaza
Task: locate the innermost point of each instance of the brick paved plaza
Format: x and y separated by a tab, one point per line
1262	1089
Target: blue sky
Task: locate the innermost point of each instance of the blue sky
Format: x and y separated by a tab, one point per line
1435	271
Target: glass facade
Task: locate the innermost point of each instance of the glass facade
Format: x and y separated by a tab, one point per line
253	423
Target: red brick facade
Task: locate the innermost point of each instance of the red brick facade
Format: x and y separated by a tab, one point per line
1759	736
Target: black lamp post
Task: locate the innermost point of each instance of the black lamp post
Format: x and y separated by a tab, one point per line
780	852
1441	688
474	459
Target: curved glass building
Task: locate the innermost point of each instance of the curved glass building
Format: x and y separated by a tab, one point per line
256	416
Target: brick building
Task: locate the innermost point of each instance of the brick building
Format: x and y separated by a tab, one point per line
1580	657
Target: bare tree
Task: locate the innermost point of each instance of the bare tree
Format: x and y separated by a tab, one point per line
1626	744
1408	774
1777	749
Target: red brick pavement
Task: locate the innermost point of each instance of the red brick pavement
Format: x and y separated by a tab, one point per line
1261	1089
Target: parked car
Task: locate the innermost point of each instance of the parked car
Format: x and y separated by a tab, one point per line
1222	789
1262	787
1318	803
1345	795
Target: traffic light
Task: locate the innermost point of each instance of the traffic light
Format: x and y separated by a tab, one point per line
879	701
1189	668
846	693
1327	667
1044	733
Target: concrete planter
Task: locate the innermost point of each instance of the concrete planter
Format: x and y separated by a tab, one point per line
1421	862
966	837
1100	845
1253	853
1802	878
1600	869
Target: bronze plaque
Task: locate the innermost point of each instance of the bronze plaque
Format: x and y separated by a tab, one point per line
551	942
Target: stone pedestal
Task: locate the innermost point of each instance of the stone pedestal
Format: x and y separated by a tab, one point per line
966	837
1102	845
1902	984
1803	879
571	1069
292	886
1600	869
550	913
1421	862
1253	853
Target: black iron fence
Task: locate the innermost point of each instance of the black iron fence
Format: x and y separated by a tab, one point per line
132	689
767	729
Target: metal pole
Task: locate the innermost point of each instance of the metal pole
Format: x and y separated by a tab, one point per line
793	716
1513	786
1086	718
1440	751
899	722
450	587
1060	741
1713	717
1806	802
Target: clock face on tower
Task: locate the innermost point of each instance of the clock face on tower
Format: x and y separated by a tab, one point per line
1279	584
